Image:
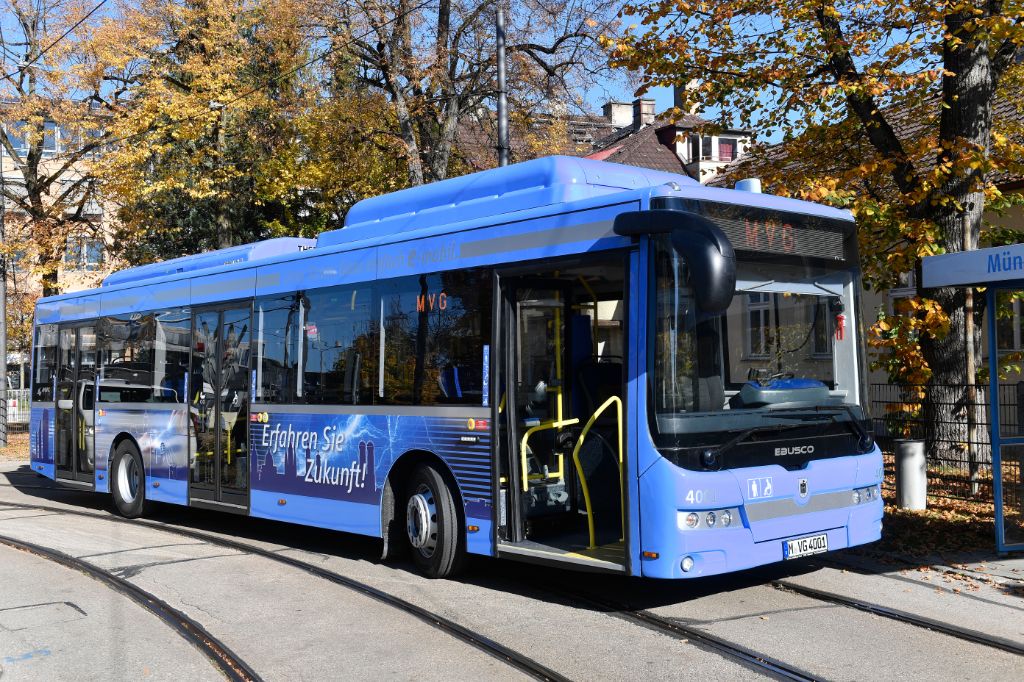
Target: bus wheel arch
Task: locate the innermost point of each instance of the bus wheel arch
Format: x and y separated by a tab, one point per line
128	477
114	445
434	479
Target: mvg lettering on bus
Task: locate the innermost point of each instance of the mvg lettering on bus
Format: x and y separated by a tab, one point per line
425	302
1004	262
769	234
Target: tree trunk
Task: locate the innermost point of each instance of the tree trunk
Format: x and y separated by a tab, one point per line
964	129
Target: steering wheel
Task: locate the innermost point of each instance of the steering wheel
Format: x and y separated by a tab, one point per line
781	375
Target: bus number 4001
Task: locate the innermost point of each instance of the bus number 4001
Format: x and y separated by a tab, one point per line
700	496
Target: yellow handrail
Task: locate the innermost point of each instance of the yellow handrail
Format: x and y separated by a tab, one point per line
555	424
579	467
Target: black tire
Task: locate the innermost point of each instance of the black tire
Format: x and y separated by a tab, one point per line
432	525
128	481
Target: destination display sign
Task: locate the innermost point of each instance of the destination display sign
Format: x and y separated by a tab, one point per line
768	231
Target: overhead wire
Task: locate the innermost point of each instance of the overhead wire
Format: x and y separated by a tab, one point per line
58	39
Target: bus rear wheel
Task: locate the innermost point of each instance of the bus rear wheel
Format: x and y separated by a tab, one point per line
128	481
432	524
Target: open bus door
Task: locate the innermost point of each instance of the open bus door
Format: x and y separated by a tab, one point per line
560	420
74	437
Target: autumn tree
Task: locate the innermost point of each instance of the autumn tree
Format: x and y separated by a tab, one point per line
889	111
434	61
54	102
240	126
186	143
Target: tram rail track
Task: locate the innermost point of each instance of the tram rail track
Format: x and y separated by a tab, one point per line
731	650
745	656
645	618
229	663
901	616
495	649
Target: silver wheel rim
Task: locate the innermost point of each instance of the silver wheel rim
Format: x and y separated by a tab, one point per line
421	520
128	479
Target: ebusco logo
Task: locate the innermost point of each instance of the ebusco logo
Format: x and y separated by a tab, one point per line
794	450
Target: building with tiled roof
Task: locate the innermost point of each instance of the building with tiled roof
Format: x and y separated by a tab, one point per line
659	142
627	133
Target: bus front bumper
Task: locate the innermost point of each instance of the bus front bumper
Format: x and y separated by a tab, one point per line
760	529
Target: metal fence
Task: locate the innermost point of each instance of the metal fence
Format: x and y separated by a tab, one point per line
958	467
17	409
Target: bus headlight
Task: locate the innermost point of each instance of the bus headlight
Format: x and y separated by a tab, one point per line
865	495
713	518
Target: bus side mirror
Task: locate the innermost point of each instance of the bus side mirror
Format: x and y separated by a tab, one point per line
710	258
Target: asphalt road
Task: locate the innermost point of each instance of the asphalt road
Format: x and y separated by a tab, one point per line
57	623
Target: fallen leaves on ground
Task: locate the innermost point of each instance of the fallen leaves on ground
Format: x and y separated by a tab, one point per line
946	526
17	447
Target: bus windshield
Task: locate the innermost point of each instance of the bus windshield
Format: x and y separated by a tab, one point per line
786	351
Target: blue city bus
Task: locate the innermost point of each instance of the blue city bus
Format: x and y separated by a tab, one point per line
563	361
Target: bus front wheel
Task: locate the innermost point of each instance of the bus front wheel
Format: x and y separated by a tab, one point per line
128	481
432	524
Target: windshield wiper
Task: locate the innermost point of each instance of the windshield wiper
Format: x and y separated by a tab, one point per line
745	433
865	439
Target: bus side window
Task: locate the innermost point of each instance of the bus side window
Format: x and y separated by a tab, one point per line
277	323
46	363
436	327
339	327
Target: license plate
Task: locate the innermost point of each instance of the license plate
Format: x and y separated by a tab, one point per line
813	544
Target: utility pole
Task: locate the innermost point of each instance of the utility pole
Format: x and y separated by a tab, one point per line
972	390
3	302
502	96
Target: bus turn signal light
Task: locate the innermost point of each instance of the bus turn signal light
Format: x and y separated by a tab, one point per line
651	555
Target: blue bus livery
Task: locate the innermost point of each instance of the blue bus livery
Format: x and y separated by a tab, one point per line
563	361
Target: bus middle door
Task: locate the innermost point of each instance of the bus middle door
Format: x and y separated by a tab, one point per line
219	386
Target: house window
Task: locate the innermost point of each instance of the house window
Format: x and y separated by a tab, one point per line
84	253
758	312
727	148
707	147
16	135
49	138
906	287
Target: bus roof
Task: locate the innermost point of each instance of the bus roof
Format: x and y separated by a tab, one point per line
550	185
211	259
531	184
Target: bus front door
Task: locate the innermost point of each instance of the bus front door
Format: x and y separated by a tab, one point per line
76	376
219	385
559	417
